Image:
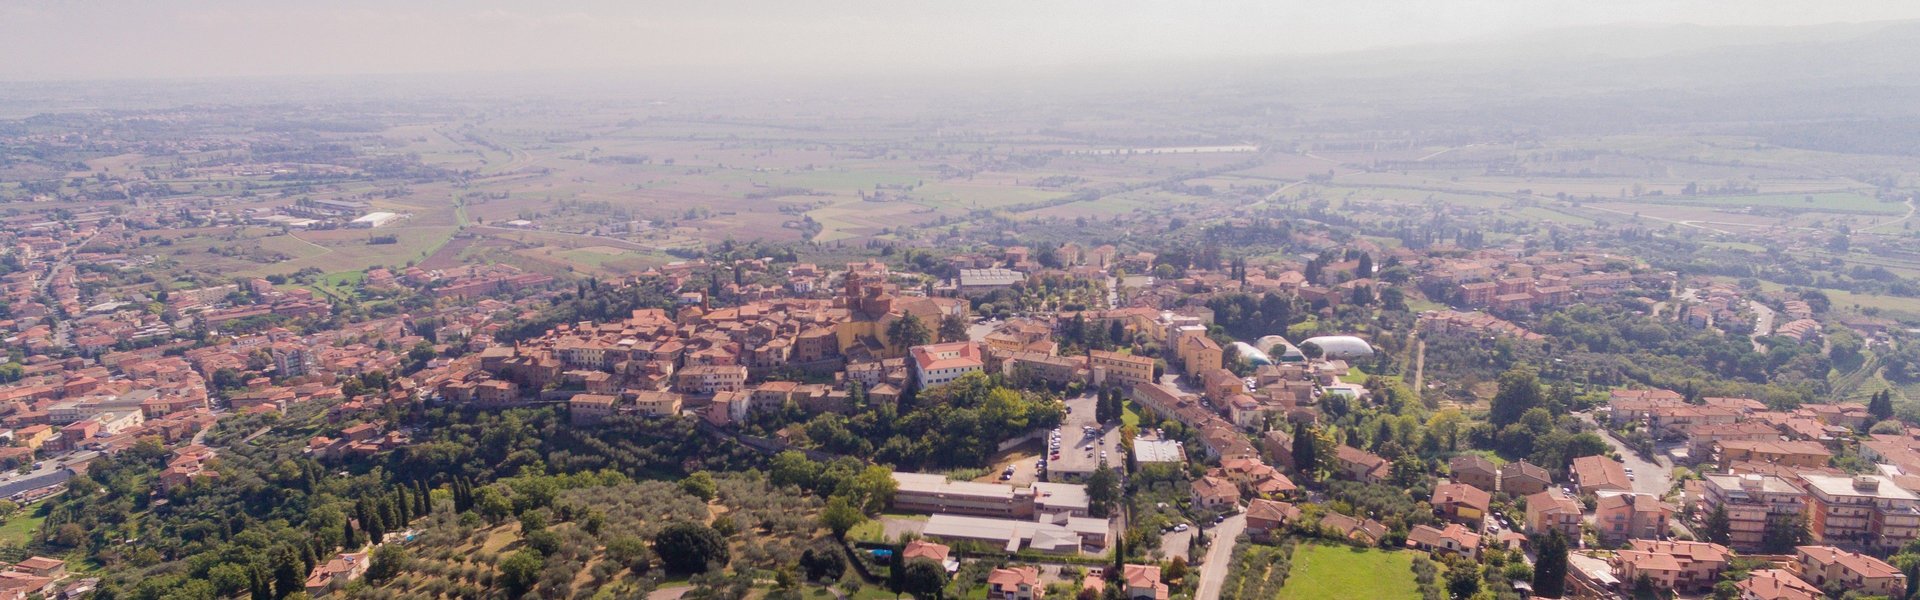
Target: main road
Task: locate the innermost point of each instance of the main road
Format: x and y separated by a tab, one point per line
1213	574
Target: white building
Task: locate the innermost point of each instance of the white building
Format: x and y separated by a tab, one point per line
935	364
374	219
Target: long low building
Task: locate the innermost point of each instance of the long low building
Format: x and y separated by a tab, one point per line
1057	534
934	493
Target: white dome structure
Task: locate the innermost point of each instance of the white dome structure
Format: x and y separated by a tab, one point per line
1252	355
1280	349
1341	347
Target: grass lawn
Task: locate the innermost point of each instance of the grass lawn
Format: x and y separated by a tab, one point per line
870	530
873	592
1323	572
1131	415
1356	376
19	529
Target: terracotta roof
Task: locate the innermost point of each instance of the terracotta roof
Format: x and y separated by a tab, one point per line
1600	471
1460	493
1866	566
1777	584
1015	577
925	549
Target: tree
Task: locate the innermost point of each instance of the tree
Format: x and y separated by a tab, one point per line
823	562
1784	532
492	504
628	551
388	560
1519	391
288	572
1881	406
700	485
1718	528
840	516
1306	458
519	571
906	332
690	547
924	579
1550	568
870	490
1103	489
1176	569
229	579
953	328
1463	579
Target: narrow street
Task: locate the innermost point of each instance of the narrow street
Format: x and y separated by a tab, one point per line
1219	556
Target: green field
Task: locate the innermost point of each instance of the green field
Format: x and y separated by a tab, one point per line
18	530
1322	572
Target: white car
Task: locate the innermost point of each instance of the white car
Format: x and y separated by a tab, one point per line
1180	527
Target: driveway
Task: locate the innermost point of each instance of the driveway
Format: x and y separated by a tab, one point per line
1219	556
1175	543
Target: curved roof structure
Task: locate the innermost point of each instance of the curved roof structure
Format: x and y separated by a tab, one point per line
1251	354
1341	346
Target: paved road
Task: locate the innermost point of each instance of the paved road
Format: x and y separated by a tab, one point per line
1762	323
1219	556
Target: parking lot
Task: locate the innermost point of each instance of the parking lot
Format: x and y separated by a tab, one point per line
1082	445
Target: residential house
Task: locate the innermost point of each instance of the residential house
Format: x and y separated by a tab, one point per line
1143	582
1679	566
1777	584
1593	474
1622	516
1461	503
588	409
1364	531
1828	567
1551	510
938	553
336	572
1523	478
1455	538
1802	454
1267	517
1017	583
1474	470
1360	465
656	404
1215	494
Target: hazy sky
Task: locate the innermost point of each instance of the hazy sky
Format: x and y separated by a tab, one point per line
58	39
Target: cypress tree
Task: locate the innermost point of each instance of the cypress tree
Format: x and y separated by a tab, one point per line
257	586
1305	456
1550	568
288	576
